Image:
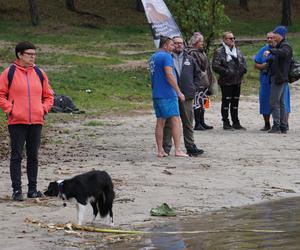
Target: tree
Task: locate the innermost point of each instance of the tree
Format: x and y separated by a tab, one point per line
206	16
286	18
34	13
244	4
70	4
139	6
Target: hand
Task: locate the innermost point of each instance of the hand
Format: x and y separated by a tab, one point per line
266	53
181	97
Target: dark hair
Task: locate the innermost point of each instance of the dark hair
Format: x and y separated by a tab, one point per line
22	46
164	40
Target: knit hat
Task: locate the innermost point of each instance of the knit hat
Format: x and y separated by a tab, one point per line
281	30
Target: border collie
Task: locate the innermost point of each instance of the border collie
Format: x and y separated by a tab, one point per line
94	187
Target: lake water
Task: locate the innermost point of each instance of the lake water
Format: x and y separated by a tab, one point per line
271	225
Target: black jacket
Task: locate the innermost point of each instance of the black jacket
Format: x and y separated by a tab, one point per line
280	62
189	80
230	73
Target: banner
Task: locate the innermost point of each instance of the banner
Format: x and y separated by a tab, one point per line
160	19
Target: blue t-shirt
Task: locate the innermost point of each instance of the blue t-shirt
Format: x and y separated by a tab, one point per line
160	85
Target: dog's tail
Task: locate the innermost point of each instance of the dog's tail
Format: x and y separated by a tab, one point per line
106	200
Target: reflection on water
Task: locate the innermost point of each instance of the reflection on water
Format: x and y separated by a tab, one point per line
231	229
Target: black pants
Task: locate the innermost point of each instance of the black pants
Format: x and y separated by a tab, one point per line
19	134
230	99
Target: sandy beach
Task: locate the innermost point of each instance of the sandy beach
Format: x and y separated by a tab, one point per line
238	168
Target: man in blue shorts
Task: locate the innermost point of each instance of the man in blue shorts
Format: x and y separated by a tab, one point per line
165	95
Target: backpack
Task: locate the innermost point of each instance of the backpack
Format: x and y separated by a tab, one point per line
11	72
63	104
294	73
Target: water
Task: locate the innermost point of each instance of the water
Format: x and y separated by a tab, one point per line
232	229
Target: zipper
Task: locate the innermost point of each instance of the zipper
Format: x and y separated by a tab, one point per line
29	100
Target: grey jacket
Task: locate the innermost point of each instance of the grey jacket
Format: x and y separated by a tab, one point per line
230	73
189	80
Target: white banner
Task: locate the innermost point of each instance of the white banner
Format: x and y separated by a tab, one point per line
160	19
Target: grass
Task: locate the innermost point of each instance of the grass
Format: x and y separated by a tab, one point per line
77	58
94	123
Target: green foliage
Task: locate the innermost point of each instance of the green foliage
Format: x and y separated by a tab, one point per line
206	16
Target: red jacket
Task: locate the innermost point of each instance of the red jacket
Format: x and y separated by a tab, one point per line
27	100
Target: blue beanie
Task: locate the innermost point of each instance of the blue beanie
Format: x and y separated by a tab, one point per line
281	30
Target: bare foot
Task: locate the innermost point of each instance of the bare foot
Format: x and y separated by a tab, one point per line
162	154
179	153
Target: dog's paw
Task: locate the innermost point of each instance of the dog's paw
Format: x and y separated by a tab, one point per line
111	224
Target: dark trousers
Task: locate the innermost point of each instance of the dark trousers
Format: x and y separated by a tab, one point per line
19	135
230	100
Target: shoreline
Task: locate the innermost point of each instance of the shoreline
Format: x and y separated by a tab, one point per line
238	168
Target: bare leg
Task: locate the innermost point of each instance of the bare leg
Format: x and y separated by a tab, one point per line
159	131
176	136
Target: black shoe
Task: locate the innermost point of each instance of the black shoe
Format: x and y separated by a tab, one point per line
226	125
17	196
199	127
206	126
266	127
34	194
238	126
283	131
275	130
167	149
194	151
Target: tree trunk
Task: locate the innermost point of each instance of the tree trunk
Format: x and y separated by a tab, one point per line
244	4
70	4
139	6
34	13
286	18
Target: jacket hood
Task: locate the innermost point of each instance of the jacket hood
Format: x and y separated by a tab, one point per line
18	65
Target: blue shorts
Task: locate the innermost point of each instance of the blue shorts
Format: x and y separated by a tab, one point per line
166	107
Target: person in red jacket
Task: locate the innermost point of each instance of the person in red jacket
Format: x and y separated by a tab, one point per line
25	99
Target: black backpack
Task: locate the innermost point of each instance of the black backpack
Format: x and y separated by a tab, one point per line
64	104
11	72
294	73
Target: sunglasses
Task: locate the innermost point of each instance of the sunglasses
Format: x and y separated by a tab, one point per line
231	38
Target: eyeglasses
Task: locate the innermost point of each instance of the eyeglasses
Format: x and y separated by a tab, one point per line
29	54
231	38
178	43
269	37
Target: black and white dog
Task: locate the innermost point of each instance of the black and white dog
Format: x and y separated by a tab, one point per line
94	187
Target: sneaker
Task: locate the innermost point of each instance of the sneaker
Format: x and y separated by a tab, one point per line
275	130
238	126
34	194
194	151
17	196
